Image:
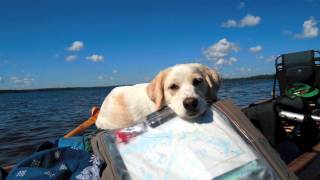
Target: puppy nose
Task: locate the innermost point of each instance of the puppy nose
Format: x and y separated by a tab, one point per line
190	103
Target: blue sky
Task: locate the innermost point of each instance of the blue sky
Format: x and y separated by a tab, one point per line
46	43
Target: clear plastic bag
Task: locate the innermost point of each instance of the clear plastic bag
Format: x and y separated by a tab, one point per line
214	146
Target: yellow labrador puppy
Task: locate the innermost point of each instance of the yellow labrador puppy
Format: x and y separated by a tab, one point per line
185	88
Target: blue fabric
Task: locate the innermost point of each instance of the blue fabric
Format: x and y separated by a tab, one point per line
76	142
58	163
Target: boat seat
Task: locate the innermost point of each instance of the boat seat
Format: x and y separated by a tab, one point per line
291	69
302	67
294	104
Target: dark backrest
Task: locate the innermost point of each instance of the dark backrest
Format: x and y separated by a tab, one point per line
317	69
298	58
297	67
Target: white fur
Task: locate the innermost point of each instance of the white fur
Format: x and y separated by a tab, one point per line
137	100
181	75
126	104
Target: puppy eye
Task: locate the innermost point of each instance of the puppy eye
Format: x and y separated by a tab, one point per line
173	87
197	81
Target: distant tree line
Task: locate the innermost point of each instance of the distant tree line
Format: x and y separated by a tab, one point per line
257	77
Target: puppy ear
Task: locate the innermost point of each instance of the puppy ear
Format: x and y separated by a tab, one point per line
155	89
213	80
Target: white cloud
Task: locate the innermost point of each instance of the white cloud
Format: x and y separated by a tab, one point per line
95	58
22	81
220	51
76	46
241	5
310	29
287	32
260	57
71	58
114	71
100	77
244	70
226	75
230	23
271	58
228	61
248	20
255	49
232	60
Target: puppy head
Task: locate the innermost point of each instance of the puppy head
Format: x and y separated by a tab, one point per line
185	88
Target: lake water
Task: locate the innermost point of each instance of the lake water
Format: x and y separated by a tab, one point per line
29	118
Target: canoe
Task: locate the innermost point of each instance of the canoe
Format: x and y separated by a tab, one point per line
304	163
290	118
297	166
270	121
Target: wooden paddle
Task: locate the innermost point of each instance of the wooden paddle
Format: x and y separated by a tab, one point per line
83	126
86	124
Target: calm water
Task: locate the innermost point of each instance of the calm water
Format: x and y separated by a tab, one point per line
30	118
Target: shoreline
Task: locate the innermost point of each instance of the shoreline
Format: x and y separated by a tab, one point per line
258	77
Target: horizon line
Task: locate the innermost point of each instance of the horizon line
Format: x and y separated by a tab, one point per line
261	76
